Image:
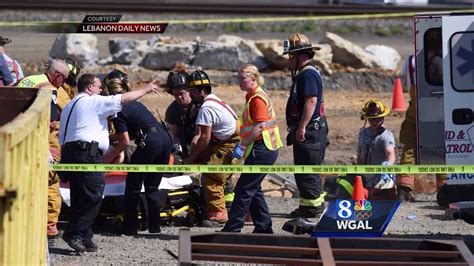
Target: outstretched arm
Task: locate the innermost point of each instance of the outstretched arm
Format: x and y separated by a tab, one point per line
137	94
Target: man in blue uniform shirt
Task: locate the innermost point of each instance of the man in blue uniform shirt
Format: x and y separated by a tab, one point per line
306	123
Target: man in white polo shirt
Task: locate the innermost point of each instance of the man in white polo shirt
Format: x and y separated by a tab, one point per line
84	137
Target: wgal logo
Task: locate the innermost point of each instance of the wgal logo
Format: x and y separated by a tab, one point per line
361	218
353	216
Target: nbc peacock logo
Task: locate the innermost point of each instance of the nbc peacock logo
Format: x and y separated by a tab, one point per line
362	209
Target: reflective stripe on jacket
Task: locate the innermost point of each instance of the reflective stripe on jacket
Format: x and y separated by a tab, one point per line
270	133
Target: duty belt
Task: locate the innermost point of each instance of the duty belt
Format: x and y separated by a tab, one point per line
80	145
316	124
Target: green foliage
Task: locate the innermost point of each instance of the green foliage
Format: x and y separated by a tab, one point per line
382	31
308	26
238	27
398	29
391	30
201	27
278	28
346	29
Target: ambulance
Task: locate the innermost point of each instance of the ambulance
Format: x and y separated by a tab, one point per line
444	64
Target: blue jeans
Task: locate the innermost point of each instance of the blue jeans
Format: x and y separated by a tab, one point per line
249	196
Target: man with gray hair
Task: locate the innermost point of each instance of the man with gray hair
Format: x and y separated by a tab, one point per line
54	77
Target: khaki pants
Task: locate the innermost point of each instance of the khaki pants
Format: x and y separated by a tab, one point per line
54	196
54	199
213	183
408	138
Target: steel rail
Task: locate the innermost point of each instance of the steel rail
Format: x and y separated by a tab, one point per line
219	7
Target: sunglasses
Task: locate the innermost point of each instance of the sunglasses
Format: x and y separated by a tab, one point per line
241	78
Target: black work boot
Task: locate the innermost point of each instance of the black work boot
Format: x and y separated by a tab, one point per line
154	229
75	243
404	194
299	226
210	224
308	212
90	246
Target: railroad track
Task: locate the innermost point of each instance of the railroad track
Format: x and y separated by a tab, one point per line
277	7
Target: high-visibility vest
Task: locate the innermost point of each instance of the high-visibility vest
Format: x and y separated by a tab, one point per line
270	133
36	81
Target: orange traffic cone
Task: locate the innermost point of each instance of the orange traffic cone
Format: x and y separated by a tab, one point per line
398	102
359	192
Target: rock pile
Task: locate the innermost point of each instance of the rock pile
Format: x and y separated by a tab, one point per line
227	53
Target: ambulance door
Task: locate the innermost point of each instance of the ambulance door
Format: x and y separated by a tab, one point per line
429	90
458	62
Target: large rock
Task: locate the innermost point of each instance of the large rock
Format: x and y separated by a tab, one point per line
273	52
127	50
323	58
228	53
165	56
81	47
346	53
385	57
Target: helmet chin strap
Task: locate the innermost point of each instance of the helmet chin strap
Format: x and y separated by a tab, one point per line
365	123
296	69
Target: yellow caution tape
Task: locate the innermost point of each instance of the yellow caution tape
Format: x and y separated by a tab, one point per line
223	20
294	169
235	20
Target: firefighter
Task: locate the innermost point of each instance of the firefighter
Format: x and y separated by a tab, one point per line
215	137
406	182
181	114
376	146
306	122
55	77
259	144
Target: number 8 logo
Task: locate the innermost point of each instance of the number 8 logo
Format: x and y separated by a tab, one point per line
344	209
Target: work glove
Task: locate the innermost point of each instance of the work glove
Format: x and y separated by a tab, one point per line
238	151
386	180
177	149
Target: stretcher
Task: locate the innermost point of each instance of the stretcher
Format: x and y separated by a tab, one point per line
181	200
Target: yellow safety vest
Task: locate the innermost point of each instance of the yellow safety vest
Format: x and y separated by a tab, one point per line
36	81
270	133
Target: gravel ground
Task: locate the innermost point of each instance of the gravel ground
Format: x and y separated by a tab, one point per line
429	222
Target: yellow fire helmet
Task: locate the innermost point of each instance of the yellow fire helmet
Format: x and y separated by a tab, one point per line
74	70
200	78
374	109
